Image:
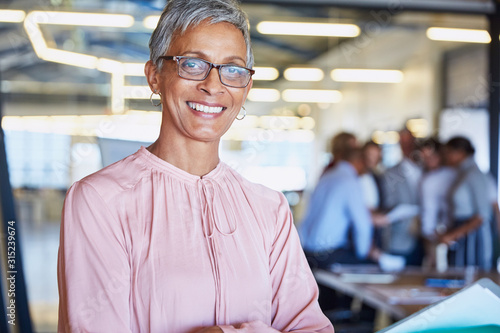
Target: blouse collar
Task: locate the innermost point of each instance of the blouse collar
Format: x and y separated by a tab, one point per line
164	166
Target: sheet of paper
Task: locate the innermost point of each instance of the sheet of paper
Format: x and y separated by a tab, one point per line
367	278
474	306
402	212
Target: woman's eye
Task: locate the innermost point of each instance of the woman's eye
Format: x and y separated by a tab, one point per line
192	64
235	70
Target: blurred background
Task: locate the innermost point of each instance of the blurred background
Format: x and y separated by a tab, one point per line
74	97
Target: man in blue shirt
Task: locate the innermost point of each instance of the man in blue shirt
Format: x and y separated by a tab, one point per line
335	207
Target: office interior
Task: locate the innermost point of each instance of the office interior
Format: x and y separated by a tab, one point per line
74	98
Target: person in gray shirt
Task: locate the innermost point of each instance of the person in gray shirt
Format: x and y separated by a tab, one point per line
470	232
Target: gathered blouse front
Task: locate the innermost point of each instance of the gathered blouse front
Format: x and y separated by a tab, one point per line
147	247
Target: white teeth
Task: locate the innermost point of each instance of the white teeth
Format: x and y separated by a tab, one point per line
205	108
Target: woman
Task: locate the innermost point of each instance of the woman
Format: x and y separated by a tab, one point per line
470	235
170	239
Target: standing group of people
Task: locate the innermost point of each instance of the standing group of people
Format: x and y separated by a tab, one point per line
359	213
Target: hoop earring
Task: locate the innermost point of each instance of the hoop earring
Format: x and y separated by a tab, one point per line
244	113
151	98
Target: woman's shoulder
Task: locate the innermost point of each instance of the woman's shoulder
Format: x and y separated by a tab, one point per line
117	177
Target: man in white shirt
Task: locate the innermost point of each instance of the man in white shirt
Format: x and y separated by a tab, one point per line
400	187
434	188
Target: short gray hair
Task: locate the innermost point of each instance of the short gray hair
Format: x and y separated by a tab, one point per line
179	15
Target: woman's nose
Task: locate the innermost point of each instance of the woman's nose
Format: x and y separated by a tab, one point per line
212	83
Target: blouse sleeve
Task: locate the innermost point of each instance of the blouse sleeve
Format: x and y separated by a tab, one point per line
93	268
295	305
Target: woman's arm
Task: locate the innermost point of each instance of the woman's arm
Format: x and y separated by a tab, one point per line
459	232
93	268
294	305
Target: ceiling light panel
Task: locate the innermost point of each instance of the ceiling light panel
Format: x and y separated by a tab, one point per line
263	95
459	35
85	19
308	29
12	16
151	21
367	75
304	74
311	96
265	73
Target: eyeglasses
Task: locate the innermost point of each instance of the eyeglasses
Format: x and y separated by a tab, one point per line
198	69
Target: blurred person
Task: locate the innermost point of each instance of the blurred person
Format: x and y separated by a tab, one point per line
470	233
340	146
336	208
400	189
171	239
371	180
435	185
371	184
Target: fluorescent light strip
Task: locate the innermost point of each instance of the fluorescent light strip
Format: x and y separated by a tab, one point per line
263	95
151	21
418	127
308	29
129	126
31	24
265	73
459	35
304	74
109	66
116	68
311	96
84	19
70	58
367	75
389	137
133	69
12	16
113	66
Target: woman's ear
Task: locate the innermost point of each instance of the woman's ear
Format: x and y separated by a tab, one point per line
150	70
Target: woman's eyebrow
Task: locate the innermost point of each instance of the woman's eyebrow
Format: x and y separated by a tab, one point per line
233	58
203	55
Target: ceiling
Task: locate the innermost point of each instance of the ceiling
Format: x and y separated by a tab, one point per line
26	76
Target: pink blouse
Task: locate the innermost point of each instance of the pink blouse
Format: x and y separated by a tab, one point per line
148	247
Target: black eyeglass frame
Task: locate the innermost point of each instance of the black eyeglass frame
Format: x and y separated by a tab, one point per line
212	65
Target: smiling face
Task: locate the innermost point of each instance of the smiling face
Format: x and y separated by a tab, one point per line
200	110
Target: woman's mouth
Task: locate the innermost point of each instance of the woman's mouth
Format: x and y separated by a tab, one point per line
205	108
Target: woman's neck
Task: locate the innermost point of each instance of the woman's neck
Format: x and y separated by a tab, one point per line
194	157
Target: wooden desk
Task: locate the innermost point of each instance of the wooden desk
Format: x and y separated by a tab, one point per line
396	295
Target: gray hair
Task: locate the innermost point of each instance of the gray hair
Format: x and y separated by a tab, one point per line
179	15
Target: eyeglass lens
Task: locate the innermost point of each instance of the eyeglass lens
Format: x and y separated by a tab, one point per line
197	69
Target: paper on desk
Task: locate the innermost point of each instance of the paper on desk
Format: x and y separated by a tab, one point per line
412	295
402	212
378	278
474	306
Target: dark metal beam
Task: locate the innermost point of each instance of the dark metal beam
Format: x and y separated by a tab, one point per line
459	6
494	104
19	317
